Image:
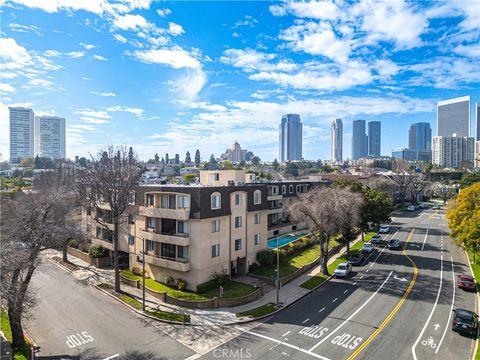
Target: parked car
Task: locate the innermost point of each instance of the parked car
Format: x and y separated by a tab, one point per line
367	247
393	244
376	239
466	282
343	270
356	259
384	229
424	206
436	207
465	321
411	208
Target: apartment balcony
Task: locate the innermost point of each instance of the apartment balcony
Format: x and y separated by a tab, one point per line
178	214
274	197
176	239
169	263
275	210
105	243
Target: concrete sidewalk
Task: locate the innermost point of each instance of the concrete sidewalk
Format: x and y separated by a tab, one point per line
289	293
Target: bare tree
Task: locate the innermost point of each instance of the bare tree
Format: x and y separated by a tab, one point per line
109	181
322	209
31	222
382	184
442	190
351	204
417	185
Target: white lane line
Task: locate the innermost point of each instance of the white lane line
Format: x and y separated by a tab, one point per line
367	270
288	345
321	309
351	316
112	357
345	291
380	253
451	308
355	283
304	321
431	313
334	300
425	239
288	332
361	277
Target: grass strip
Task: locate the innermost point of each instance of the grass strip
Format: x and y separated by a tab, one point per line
22	353
314	281
259	311
68	265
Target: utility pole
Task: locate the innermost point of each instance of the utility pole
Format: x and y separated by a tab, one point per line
143	274
278	273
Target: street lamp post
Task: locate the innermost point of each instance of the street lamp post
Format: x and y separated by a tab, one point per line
143	274
278	273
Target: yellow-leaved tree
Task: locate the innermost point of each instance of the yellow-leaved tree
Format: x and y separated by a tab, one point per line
463	215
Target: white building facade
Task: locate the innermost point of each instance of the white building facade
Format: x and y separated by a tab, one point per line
452	151
21	133
337	140
50	137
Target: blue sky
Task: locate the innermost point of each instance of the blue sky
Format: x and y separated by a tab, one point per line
175	76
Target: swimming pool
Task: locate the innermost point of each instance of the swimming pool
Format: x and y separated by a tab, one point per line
283	240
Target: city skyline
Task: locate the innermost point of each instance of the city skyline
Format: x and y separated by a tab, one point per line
290	140
151	76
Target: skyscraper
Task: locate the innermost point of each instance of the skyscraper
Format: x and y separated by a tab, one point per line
374	138
337	140
359	140
453	117
290	138
50	137
477	116
420	136
453	151
21	133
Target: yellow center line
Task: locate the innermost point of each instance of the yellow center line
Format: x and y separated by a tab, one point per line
395	310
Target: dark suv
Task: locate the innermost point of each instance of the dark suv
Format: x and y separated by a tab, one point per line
465	321
356	259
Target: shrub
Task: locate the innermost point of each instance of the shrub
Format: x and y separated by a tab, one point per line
97	251
253	267
136	271
221	277
85	247
206	286
181	284
73	243
168	280
265	257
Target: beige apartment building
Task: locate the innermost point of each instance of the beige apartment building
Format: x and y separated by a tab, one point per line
193	232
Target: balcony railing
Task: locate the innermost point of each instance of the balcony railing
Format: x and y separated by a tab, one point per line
178	214
178	264
176	239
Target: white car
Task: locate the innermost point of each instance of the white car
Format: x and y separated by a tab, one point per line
411	208
343	270
367	247
384	229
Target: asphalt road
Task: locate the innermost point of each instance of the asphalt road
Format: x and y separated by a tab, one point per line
76	321
396	306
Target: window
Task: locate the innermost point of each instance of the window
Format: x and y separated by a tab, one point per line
131	198
131	219
257	197
168	250
238	221
290	189
150	245
182	227
274	190
284	189
215	226
299	189
238	244
150	223
131	240
182	252
183	202
256	239
89	211
215	201
238	199
215	250
257	218
98	233
150	200
89	229
216	176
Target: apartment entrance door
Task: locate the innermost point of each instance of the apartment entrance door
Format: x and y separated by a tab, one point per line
238	266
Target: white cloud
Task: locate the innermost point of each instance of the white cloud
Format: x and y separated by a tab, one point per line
248	20
12	55
51	6
43	83
163	12
175	29
87	46
386	68
251	60
75	54
131	22
93	113
175	57
325	10
24	28
6	88
8	75
91	120
190	84
120	38
132	110
86	78
104	94
52	53
99	57
468	50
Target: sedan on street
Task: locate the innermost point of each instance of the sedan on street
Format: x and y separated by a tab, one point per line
342	270
394	244
466	282
465	321
356	259
384	229
376	239
367	247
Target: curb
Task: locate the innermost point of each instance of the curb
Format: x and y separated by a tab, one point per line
477	302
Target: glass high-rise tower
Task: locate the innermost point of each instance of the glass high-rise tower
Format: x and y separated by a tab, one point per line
374	138
420	136
21	133
453	117
359	140
290	138
337	140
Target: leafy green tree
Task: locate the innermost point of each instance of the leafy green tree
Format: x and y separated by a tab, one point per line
177	159
255	160
212	159
292	169
189	178
27	162
275	164
226	165
157	158
167	159
469	179
463	216
188	159
197	157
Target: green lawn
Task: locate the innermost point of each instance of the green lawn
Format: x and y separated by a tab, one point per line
476	274
232	289
259	311
320	278
18	354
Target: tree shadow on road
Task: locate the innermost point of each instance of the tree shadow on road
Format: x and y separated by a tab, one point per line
94	354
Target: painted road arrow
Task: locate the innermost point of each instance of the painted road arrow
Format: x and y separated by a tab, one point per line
399	279
436	326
